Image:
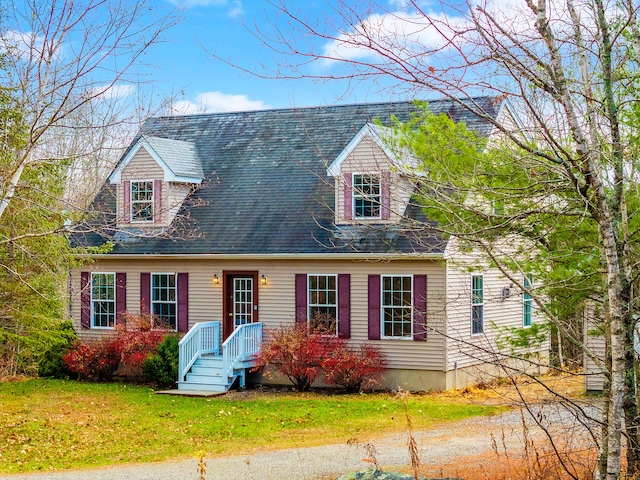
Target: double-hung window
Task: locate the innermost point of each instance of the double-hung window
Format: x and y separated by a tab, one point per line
477	304
527	301
103	300
323	303
397	306
164	300
142	201
367	194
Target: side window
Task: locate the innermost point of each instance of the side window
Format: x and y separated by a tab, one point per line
103	300
142	201
164	300
323	303
367	194
397	306
477	304
527	301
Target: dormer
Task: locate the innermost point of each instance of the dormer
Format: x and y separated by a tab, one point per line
371	181
153	179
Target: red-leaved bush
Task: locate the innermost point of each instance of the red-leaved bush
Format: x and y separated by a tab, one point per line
355	368
127	350
302	355
98	360
295	352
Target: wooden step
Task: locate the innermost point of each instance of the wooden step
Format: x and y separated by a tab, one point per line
202	387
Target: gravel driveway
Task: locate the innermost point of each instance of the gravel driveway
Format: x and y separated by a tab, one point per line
439	446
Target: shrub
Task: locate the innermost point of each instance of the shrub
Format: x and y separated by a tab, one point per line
98	360
133	342
51	364
161	367
137	341
354	368
295	352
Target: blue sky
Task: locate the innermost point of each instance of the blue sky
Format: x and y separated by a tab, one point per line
181	66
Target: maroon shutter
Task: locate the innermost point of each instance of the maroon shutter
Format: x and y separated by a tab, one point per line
183	302
374	307
385	180
157	201
348	196
85	300
301	298
145	292
127	201
419	307
121	295
344	305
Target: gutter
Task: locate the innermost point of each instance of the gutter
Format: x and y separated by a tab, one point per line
271	256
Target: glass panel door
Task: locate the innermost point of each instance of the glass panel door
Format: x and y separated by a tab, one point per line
242	301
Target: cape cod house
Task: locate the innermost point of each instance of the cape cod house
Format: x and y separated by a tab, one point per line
227	224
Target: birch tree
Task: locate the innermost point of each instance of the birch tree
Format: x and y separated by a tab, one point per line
570	70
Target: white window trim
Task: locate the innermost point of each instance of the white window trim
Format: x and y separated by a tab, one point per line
353	196
151	295
115	299
527	278
477	304
153	201
335	275
382	335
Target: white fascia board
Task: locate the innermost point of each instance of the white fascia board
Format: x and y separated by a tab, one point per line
271	256
507	106
403	163
169	175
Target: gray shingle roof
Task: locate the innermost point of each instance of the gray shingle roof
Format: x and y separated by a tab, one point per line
266	190
180	156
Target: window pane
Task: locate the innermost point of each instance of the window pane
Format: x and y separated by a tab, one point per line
397	306
163	300
323	308
366	196
103	294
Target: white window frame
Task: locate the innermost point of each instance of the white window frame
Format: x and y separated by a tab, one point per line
163	302
96	300
477	306
384	307
133	202
310	304
357	194
527	300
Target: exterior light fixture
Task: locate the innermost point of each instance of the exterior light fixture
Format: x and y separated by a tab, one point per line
215	280
264	280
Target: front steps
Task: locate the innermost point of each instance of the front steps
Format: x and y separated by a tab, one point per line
206	376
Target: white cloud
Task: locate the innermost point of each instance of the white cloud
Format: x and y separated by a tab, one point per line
113	91
237	10
212	102
22	44
399	33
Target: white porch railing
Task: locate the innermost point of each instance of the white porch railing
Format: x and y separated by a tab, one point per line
244	342
203	338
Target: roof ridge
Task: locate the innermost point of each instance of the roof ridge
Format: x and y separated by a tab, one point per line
324	107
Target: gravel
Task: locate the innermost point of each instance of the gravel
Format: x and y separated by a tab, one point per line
438	446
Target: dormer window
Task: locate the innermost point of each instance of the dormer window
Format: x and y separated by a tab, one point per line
142	201
366	195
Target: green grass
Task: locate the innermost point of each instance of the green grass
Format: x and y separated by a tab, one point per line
52	424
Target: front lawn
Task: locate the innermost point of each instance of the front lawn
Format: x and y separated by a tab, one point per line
53	424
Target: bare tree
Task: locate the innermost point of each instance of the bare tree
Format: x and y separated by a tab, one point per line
570	70
70	103
70	67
